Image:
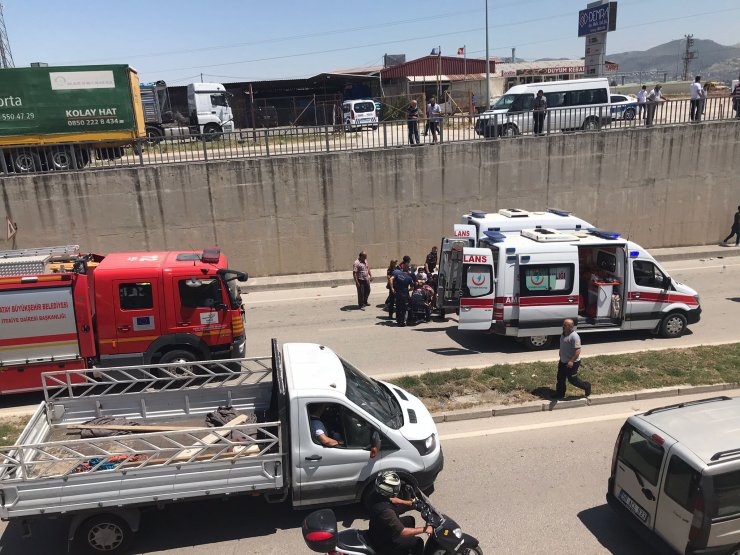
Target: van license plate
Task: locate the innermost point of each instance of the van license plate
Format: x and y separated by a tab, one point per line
633	506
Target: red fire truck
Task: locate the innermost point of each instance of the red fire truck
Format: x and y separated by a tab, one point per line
60	309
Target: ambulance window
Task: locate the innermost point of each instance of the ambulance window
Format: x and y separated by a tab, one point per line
727	491
478	281
647	274
200	293
135	296
680	483
641	455
546	279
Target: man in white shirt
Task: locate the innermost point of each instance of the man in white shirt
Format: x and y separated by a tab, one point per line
435	119
654	98
641	100
697	95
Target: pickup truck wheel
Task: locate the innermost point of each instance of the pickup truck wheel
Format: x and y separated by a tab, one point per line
673	325
106	533
537	342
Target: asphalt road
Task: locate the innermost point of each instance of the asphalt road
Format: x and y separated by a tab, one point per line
524	484
373	343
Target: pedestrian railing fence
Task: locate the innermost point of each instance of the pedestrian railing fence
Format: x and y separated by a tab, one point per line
285	141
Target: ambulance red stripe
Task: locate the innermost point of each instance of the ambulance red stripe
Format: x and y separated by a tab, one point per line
661	298
476	303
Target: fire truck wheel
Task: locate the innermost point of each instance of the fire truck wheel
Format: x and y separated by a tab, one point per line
177	355
104	533
537	342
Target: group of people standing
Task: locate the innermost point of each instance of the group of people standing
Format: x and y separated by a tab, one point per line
411	289
433	123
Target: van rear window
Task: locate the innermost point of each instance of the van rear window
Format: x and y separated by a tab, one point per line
727	492
641	454
362	107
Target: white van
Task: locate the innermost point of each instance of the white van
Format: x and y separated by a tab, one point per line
525	273
576	104
357	114
675	476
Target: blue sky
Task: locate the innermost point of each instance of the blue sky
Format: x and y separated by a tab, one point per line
244	40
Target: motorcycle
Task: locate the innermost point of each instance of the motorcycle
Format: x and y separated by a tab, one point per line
321	535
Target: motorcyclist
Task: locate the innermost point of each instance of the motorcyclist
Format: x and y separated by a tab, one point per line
390	533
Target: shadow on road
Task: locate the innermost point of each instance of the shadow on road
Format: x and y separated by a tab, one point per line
613	534
734	299
181	525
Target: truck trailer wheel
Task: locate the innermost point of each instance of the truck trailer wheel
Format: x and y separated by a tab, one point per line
25	161
106	533
61	159
212	132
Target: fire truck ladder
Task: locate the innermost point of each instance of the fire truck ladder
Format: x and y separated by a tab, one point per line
65	250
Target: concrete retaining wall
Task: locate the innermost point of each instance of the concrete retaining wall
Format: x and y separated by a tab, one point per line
668	186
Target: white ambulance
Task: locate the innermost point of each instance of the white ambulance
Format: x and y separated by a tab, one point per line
522	273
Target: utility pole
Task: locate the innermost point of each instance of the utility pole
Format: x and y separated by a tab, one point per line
488	66
6	57
688	56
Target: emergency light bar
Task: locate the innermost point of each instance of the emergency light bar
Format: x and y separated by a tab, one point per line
602	234
495	236
211	255
559	212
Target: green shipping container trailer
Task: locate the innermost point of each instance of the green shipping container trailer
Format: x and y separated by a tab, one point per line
55	118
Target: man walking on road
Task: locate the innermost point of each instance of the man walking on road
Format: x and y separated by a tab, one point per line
363	275
735	229
570	361
412	120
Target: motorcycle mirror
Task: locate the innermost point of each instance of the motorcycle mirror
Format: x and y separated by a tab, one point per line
375	445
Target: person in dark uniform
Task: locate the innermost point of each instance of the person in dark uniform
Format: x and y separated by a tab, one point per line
390	301
401	285
735	229
390	533
412	120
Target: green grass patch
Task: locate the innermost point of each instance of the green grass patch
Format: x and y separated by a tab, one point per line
11	428
511	383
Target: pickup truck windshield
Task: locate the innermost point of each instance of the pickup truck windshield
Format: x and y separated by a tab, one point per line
372	397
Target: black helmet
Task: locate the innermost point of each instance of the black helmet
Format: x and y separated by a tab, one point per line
388	484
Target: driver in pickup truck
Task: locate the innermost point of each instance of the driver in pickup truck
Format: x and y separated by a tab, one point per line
319	431
390	533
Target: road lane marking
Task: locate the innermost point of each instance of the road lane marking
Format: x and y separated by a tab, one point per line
705	267
312	298
540	426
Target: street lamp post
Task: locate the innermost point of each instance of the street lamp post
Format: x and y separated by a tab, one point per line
488	66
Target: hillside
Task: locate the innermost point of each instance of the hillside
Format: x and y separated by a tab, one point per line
713	61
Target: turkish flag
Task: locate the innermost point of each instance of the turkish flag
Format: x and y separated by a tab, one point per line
461	51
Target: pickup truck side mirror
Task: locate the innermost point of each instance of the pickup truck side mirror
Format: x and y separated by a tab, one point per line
375	445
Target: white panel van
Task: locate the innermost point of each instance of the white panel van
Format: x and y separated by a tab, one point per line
576	104
675	476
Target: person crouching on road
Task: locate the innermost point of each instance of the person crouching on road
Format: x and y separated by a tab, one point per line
363	276
401	284
570	361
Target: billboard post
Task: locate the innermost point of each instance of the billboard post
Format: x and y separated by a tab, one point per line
594	23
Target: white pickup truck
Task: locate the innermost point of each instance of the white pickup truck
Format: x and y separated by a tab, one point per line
105	482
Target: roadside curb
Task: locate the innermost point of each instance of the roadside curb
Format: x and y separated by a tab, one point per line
547	406
336	279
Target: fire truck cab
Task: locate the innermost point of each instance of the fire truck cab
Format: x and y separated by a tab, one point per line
523	281
60	309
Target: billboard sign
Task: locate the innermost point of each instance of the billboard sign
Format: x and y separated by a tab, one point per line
598	19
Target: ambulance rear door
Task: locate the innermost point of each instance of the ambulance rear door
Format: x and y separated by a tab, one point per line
548	290
478	290
449	284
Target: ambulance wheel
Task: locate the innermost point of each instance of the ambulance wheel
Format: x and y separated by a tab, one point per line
537	342
673	325
104	533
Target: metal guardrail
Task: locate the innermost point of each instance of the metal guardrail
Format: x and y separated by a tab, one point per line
262	143
75	384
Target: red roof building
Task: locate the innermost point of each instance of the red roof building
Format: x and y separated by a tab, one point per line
433	65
